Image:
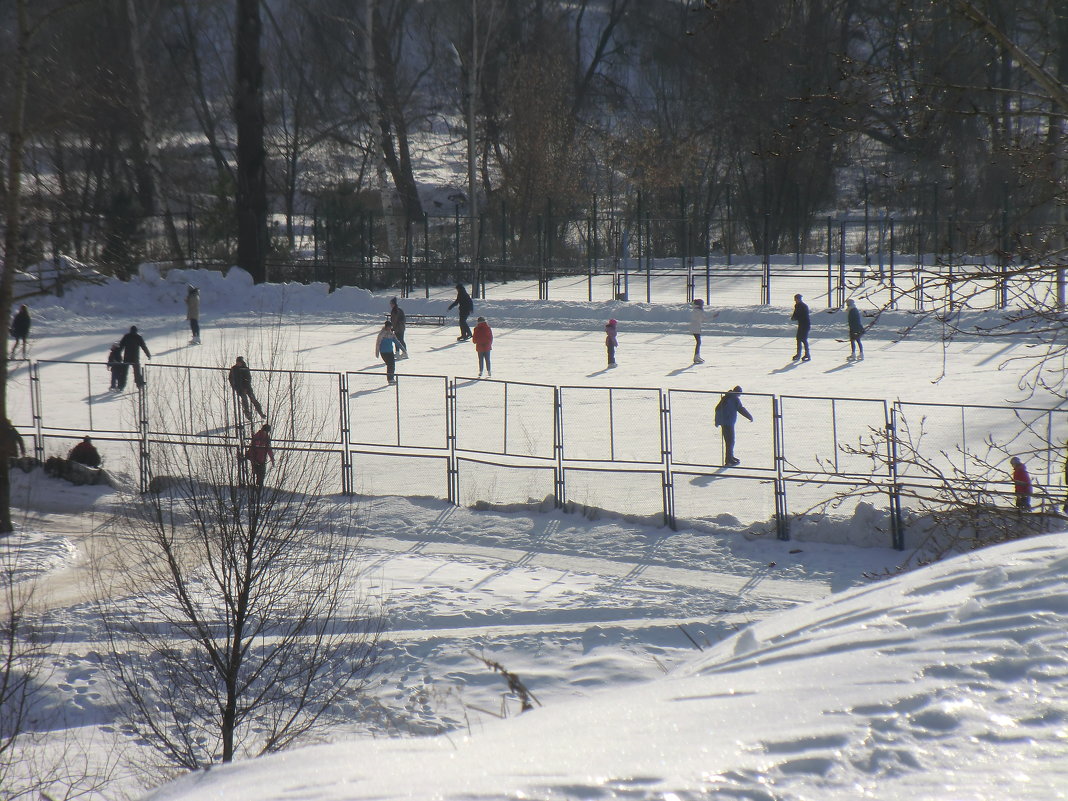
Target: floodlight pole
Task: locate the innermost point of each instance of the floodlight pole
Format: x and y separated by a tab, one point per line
472	203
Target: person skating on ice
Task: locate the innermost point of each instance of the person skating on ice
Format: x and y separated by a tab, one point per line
132	343
386	346
610	341
117	367
192	313
240	378
396	319
727	411
697	319
483	339
856	331
466	306
804	325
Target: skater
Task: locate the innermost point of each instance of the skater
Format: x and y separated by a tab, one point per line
697	318
385	348
192	313
610	341
85	453
483	339
396	318
1021	480
804	324
117	367
20	330
241	381
259	450
856	331
132	344
463	300
727	411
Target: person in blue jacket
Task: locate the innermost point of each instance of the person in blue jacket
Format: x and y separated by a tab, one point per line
727	411
386	347
856	331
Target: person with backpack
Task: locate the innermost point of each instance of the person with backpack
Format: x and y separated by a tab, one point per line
466	307
483	339
804	325
132	343
240	378
856	331
20	330
727	411
386	346
117	367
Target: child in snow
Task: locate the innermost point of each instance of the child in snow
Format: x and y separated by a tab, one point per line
482	336
856	331
1021	480
610	341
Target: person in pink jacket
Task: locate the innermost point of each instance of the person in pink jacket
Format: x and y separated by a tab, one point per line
610	341
482	336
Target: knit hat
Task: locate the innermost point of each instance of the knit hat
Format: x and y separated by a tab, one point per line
482	319
612	321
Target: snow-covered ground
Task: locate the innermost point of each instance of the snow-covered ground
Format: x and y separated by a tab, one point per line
812	681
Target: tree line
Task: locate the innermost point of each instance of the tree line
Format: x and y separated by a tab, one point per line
240	109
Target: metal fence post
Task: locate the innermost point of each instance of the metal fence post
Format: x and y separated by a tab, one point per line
36	410
452	466
897	527
146	467
559	487
782	516
346	439
665	455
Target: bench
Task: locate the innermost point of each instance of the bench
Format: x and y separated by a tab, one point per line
424	319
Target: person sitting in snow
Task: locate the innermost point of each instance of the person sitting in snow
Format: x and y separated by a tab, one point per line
85	453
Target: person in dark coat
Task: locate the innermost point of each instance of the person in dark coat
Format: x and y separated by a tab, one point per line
11	440
856	331
132	344
20	330
727	411
117	367
240	378
85	453
466	306
396	319
804	324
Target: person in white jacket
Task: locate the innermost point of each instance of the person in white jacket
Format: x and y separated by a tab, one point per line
697	319
192	313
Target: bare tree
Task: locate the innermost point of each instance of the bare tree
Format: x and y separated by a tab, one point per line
249	631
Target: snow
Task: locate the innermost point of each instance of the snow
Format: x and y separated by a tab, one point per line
812	681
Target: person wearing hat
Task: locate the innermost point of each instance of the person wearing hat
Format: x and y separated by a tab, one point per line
117	367
20	330
386	346
697	319
1021	480
482	336
804	325
85	453
192	313
259	451
610	341
396	319
132	343
240	378
727	411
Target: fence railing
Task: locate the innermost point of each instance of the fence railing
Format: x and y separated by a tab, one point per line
639	451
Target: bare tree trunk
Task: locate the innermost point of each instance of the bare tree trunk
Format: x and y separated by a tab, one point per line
251	154
16	140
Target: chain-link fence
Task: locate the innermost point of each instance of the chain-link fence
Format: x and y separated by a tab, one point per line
647	453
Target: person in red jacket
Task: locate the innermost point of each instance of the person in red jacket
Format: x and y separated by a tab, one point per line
1022	481
483	339
259	450
85	453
